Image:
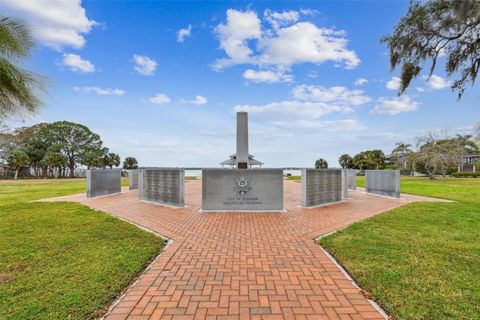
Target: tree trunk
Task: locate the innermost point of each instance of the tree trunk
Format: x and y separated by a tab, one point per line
16	174
71	166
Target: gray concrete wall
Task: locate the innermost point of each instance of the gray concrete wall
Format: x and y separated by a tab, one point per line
351	179
163	186
133	179
102	182
242	190
383	182
322	186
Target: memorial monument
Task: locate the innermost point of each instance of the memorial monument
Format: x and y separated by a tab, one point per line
383	182
101	182
322	186
163	186
242	188
242	159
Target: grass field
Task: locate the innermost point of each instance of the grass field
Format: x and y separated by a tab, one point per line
420	261
63	260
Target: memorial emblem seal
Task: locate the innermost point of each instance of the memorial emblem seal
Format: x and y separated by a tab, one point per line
242	185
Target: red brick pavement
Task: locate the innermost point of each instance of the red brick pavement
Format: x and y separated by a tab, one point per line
243	265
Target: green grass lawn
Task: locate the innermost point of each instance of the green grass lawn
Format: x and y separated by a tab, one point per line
294	178
420	261
63	260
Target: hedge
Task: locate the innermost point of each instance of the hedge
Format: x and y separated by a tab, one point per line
466	174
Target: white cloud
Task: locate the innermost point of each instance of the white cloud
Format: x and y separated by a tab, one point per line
144	65
360	82
306	116
282	46
199	101
394	83
240	27
420	89
280	19
308	107
291	109
395	106
269	76
160	98
322	125
100	91
309	12
75	63
437	82
56	23
305	42
336	95
184	33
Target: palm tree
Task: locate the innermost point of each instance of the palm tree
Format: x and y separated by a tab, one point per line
400	153
321	164
466	142
376	158
17	86
401	148
345	161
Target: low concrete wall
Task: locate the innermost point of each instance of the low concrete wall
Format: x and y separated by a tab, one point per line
102	182
351	179
133	179
163	186
322	186
242	190
383	182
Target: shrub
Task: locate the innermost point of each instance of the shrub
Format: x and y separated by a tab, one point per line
405	172
466	175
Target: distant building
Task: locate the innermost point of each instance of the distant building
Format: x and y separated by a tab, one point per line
470	163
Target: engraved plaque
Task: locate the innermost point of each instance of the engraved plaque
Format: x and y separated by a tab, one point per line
242	190
321	187
103	181
163	186
352	179
132	179
383	182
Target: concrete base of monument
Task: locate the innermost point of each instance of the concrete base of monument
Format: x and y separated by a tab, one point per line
383	194
243	211
324	204
107	195
163	204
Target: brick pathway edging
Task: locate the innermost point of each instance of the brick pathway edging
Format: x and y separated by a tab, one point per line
243	265
350	277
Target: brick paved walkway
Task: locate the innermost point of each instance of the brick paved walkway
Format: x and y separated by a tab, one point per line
243	265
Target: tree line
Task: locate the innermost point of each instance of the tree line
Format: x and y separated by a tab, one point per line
57	149
435	154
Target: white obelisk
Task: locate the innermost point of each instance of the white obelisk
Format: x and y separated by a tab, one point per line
242	140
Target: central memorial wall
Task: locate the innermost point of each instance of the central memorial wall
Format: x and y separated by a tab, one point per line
322	186
242	190
162	186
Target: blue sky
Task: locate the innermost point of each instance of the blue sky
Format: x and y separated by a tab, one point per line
161	81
